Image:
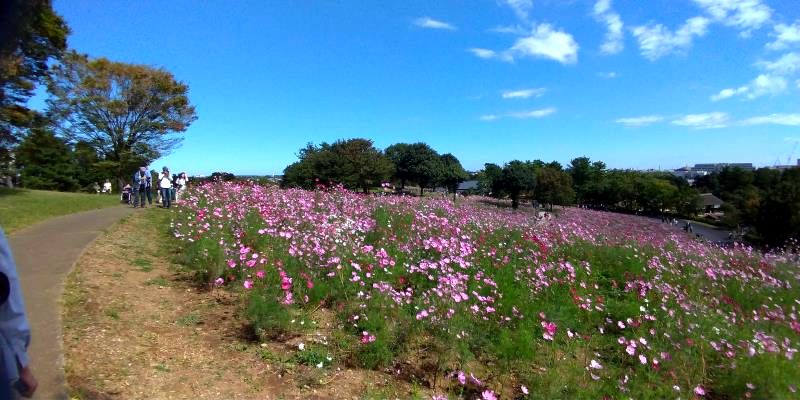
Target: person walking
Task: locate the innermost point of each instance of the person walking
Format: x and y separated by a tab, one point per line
15	332
165	186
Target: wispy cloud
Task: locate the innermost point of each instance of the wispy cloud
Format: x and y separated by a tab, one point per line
535	114
712	120
786	64
613	41
607	75
635	122
521	8
523	93
482	53
430	23
785	36
774	119
762	85
746	15
511	29
656	41
773	82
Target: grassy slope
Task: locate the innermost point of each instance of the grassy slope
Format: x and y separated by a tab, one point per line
20	207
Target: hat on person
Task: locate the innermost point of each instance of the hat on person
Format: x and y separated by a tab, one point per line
142	168
165	169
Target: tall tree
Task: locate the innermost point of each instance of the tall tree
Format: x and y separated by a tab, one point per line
416	162
46	162
452	173
518	178
490	180
131	114
31	34
553	186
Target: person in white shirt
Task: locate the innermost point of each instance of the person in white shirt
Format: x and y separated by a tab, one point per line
180	185
107	187
165	187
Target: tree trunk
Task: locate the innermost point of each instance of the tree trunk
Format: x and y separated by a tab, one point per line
514	202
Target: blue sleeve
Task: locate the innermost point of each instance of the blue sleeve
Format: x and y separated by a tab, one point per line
15	332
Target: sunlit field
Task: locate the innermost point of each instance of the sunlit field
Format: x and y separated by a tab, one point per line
477	301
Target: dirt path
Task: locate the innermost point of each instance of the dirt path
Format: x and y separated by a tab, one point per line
45	253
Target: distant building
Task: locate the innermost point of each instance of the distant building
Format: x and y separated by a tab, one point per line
467	186
710	203
789	166
692	173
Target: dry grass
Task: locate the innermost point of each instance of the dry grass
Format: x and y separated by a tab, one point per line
134	329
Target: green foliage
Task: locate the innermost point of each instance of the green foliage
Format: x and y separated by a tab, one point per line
553	186
354	163
32	35
518	178
46	162
130	114
417	163
452	173
270	319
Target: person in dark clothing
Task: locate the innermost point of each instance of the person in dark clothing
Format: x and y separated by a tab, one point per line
142	188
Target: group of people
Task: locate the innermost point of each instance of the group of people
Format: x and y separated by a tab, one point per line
171	188
106	188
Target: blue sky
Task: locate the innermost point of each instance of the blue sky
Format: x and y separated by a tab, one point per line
637	84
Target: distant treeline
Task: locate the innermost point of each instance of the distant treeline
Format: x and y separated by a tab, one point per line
358	165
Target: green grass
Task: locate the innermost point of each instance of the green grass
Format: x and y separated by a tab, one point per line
20	208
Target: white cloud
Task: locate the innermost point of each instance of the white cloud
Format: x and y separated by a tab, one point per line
786	64
704	121
613	41
774	119
534	113
785	36
430	23
545	42
656	41
644	120
482	53
728	93
607	75
523	93
541	113
745	15
521	7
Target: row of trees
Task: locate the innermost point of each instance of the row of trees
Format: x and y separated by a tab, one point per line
765	200
112	117
357	164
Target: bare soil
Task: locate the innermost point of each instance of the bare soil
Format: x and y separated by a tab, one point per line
135	328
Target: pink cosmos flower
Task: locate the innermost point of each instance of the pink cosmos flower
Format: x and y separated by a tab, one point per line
524	389
549	330
488	395
248	284
219	281
699	390
595	365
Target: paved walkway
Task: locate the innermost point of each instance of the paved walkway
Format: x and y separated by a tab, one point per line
45	253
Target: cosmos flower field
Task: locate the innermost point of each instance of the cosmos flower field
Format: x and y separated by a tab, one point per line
472	300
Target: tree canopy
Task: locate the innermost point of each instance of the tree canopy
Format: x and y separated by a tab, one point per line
417	163
130	114
354	163
31	35
46	162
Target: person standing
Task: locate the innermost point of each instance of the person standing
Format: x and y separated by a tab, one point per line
181	185
165	186
141	186
15	332
107	187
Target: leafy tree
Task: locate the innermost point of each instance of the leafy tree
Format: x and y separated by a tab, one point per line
31	34
553	186
354	163
88	167
490	180
518	178
586	176
46	162
216	176
452	172
130	114
416	162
